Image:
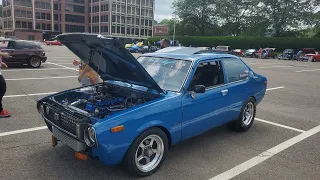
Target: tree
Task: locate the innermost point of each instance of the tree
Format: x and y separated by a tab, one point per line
286	15
170	23
198	14
235	15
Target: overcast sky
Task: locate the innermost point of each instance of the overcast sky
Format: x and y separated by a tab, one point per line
163	9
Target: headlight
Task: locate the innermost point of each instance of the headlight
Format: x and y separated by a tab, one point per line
42	109
90	136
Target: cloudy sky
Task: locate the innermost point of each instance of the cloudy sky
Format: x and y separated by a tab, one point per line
163	9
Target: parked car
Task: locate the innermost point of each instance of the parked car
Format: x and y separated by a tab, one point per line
237	52
146	105
307	53
288	54
269	53
253	53
23	52
53	42
145	49
225	49
313	57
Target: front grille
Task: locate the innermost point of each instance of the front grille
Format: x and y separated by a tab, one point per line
64	119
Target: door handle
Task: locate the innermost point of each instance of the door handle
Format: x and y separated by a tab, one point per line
225	92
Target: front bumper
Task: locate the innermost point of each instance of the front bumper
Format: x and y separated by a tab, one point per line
73	143
44	59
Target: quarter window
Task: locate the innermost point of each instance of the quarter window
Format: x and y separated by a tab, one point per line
235	70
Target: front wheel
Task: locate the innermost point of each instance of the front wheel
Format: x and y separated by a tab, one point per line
246	117
147	153
34	62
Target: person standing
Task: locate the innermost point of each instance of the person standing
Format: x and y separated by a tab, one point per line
3	86
165	43
260	53
299	54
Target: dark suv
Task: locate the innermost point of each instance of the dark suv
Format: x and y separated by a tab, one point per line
23	52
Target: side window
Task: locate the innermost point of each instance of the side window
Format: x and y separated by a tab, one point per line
11	45
24	45
235	70
208	74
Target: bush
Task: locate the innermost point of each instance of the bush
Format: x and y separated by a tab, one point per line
241	42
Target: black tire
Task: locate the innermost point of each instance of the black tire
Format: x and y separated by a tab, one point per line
129	159
34	62
239	125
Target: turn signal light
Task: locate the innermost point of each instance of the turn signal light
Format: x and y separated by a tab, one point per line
117	129
81	156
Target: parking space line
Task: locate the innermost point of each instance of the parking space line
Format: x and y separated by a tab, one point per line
24	79
46	69
268	67
265	155
308	70
270	89
25	95
62	66
280	125
22	131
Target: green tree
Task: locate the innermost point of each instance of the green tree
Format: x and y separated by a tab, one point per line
235	14
198	14
170	23
288	15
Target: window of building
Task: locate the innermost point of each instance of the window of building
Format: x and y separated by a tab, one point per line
18	24
56	27
43	15
76	1
235	70
74	8
38	26
113	29
48	16
48	26
104	29
104	7
30	25
56	17
44	26
105	18
24	24
74	28
74	18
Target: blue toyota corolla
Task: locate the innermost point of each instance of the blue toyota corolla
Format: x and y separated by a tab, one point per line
146	105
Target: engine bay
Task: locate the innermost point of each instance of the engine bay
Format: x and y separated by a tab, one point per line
103	100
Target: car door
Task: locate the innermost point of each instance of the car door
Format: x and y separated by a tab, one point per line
10	49
237	85
22	51
204	111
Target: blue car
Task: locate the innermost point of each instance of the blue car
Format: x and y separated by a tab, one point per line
146	105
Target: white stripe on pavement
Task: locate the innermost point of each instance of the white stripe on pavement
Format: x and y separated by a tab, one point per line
24	79
22	131
280	125
265	155
25	95
270	89
268	67
62	66
308	70
46	69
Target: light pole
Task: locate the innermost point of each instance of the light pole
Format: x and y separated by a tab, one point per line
174	28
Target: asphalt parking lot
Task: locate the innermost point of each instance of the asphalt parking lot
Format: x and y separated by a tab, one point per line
283	143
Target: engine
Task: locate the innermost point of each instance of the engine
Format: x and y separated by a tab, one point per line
103	102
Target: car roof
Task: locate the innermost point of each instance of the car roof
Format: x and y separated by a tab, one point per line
192	57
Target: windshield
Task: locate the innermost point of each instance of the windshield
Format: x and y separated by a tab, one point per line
168	73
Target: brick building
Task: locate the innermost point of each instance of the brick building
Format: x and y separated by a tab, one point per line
125	19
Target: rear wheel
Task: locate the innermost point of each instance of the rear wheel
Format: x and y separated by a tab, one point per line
147	152
246	117
34	62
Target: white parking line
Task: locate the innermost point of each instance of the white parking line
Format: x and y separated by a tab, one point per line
269	67
308	70
265	155
24	79
25	95
270	89
280	125
46	69
22	131
62	66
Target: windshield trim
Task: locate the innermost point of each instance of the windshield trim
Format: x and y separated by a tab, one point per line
187	74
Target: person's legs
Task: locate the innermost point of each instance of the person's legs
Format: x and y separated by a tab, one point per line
3	88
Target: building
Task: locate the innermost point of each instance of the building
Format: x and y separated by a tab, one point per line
160	30
129	19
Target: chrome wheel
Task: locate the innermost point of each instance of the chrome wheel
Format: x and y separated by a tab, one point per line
248	114
35	62
149	153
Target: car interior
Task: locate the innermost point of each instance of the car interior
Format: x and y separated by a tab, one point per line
208	74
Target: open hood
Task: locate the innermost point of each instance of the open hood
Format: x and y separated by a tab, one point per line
108	58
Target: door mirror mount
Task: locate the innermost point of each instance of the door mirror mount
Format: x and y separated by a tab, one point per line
198	89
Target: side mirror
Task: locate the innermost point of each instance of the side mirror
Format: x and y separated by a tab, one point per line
198	89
